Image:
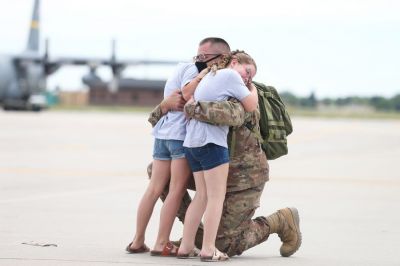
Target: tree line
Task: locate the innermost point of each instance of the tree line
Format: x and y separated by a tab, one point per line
377	102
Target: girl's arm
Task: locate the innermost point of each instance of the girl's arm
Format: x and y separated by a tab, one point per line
250	102
188	89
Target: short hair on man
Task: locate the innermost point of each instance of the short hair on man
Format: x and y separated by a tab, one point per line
217	42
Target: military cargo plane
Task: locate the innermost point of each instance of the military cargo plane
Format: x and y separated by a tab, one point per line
23	76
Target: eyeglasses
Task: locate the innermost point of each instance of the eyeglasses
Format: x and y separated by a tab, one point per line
202	57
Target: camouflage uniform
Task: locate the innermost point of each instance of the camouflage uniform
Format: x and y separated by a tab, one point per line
248	172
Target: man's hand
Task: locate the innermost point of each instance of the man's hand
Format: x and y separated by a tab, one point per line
174	102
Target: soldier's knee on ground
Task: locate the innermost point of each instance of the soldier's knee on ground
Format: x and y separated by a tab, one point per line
231	245
224	244
254	233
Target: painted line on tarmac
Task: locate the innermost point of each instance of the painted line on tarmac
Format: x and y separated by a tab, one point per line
130	262
349	180
99	190
68	172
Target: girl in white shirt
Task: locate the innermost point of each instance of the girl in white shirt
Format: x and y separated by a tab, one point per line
207	152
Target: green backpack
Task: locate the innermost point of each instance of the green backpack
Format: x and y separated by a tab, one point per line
275	124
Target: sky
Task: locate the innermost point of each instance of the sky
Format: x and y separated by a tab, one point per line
331	48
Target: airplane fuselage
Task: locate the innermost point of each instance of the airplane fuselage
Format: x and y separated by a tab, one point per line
22	85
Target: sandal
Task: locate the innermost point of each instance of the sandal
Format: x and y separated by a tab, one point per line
217	256
141	249
169	250
176	242
192	254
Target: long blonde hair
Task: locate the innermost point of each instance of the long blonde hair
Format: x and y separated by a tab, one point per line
241	56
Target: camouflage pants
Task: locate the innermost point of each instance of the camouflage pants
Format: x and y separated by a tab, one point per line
237	231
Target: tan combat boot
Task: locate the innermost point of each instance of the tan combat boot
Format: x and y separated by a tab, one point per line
285	223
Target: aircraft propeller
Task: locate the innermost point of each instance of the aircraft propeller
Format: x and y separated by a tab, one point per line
116	69
49	67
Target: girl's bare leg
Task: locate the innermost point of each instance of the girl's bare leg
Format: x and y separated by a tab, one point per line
180	172
194	214
215	181
159	178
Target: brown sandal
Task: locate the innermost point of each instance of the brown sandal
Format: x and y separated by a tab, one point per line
141	249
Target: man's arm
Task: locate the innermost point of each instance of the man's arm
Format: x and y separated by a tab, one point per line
173	102
224	113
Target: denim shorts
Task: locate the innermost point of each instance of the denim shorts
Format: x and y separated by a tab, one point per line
206	157
168	149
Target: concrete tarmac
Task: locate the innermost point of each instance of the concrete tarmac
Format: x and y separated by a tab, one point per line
73	180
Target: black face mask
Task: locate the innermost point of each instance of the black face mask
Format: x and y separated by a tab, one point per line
203	65
200	66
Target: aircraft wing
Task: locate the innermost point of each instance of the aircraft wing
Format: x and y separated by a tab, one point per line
102	61
148	62
90	61
52	64
28	57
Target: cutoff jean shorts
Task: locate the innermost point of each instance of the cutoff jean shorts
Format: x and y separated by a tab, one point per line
168	149
206	157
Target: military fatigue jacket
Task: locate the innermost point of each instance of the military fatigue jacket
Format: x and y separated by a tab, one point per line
248	166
